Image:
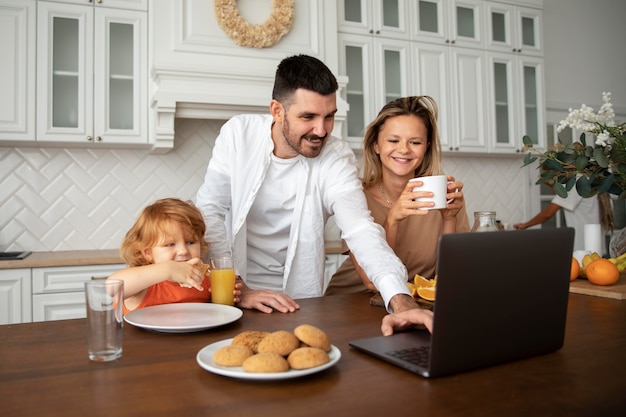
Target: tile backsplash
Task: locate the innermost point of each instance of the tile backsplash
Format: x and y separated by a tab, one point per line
54	199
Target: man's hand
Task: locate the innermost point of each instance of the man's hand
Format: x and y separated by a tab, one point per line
406	319
266	301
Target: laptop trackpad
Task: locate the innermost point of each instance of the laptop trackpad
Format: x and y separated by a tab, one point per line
409	350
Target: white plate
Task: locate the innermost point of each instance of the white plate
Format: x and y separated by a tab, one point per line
205	360
183	317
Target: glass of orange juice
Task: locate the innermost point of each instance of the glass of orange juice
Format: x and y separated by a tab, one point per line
222	277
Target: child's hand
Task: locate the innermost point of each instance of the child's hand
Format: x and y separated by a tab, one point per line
187	274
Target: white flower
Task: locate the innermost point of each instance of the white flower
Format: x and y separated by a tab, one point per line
604	138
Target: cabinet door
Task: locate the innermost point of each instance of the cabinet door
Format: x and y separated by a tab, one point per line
431	65
387	18
513	29
447	22
377	73
17	69
454	77
468	99
120	69
64	72
15	289
516	97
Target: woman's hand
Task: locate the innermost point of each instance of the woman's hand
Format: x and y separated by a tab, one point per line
455	192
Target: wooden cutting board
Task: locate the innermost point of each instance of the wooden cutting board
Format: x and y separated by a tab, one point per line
616	291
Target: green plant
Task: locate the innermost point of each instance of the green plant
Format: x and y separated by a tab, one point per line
599	167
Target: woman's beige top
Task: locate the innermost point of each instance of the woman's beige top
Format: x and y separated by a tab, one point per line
416	246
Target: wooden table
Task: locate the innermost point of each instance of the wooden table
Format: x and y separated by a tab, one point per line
44	371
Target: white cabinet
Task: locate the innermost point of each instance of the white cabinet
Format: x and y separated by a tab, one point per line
374	54
17	69
449	22
455	78
516	93
515	74
385	18
377	69
92	73
15	288
513	29
59	293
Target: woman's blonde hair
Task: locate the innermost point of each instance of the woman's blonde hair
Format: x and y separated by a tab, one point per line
155	221
423	107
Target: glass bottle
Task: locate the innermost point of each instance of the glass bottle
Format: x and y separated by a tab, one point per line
485	221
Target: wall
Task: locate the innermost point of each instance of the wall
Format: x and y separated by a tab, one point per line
584	53
55	199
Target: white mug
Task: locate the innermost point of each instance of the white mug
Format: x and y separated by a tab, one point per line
438	185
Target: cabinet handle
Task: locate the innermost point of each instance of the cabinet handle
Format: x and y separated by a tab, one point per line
453	41
99	138
89	138
371	31
378	32
447	40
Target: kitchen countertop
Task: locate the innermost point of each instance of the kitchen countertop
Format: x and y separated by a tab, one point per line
92	257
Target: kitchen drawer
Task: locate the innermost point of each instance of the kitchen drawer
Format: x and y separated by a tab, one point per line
69	278
61	306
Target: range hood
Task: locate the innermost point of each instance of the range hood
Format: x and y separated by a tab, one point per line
200	95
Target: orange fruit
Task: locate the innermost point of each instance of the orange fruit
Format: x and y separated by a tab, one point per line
427	293
602	272
420	281
575	270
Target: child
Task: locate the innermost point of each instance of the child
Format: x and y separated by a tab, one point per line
163	251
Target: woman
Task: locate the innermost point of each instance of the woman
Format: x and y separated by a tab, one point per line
400	144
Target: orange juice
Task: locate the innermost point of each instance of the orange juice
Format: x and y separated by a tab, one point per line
222	286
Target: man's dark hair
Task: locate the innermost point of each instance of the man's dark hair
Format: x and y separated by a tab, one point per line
302	71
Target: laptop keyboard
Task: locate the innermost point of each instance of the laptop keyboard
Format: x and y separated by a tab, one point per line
417	355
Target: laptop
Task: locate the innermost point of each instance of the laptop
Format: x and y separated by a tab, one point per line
501	296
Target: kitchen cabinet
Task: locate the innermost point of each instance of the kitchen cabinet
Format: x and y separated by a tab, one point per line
58	293
17	69
381	18
374	54
15	290
515	73
92	73
513	29
455	78
516	93
377	70
457	22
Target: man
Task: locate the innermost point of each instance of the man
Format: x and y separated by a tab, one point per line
271	184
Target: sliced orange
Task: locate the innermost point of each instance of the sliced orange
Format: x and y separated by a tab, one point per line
421	281
427	293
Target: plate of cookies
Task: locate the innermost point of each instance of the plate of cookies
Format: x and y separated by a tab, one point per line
262	355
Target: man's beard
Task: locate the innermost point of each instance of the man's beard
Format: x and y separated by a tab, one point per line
299	145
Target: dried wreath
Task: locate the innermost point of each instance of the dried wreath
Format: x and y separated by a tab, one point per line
255	36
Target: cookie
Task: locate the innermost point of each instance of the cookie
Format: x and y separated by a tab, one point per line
312	336
232	355
307	357
281	342
250	338
265	363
